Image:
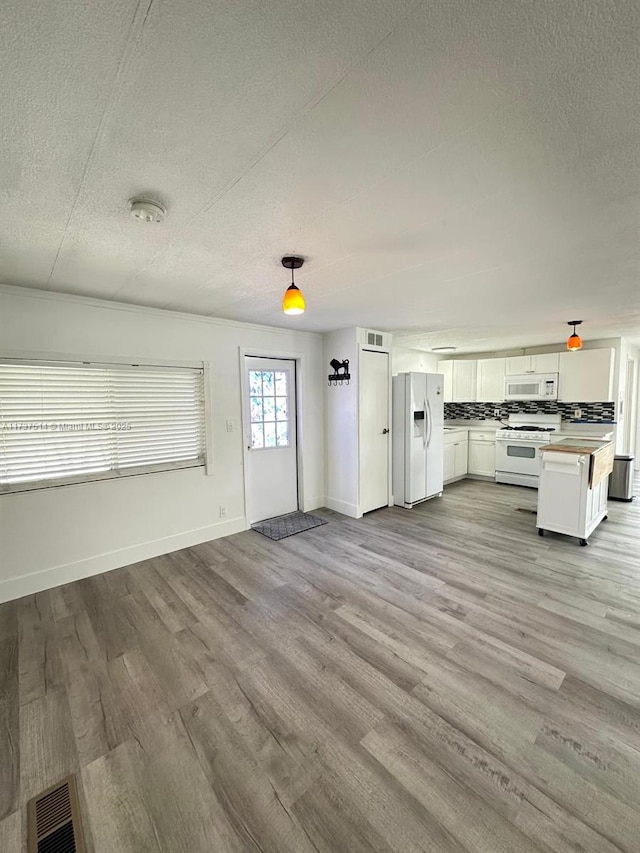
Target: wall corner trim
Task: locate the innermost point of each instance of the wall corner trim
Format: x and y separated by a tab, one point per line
343	507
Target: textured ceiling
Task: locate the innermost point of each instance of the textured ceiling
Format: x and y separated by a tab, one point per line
458	172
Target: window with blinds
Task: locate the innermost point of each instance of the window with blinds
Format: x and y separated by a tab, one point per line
62	422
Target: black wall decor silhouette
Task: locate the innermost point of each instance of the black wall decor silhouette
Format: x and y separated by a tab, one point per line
340	372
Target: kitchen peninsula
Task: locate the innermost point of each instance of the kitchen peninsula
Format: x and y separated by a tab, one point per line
572	495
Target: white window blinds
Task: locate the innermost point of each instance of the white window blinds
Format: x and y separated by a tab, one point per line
68	423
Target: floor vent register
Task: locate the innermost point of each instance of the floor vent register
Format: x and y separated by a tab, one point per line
54	824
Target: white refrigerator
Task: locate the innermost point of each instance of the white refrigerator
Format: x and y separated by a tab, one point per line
417	437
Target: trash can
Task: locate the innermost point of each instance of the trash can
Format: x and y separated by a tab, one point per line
621	479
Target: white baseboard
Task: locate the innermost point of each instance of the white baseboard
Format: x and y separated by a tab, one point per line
455	479
313	503
342	506
57	575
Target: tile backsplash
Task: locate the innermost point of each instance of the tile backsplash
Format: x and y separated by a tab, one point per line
484	411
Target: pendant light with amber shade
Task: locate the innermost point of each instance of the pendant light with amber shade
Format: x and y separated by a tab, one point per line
293	300
574	341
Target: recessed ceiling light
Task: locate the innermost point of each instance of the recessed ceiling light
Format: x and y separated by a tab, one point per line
443	349
146	210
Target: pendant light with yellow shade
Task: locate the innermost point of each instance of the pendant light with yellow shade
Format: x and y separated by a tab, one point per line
574	341
293	300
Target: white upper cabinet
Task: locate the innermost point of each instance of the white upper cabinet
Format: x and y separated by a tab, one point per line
446	368
490	380
459	380
546	362
464	380
518	365
586	376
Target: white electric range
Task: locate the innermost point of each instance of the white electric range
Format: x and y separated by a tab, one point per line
518	460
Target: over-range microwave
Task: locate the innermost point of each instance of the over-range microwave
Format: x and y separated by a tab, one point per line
531	386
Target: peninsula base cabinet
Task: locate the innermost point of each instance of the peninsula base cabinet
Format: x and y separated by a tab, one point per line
567	501
482	455
456	450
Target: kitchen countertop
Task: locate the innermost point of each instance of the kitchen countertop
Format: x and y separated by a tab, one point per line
604	435
582	446
483	426
586	431
490	430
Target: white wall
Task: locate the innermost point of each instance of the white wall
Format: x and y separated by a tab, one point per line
627	407
637	444
408	360
56	535
341	425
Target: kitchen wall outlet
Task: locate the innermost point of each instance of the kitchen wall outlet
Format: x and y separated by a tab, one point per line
497	413
223	512
577	413
229	426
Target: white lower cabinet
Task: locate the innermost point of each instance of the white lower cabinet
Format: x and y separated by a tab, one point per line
460	459
482	454
456	450
449	462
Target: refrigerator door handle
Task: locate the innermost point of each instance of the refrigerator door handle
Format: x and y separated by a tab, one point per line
427	418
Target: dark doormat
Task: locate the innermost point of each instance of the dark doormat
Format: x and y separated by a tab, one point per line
287	525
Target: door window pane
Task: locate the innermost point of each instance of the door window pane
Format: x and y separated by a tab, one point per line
255	382
269	408
281	383
281	408
256	409
283	433
257	439
269	435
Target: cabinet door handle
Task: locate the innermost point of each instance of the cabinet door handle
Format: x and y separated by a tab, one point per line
385	431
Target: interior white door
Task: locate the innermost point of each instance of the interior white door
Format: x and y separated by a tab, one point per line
374	430
270	432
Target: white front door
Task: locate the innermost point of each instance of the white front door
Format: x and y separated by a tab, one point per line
270	432
374	430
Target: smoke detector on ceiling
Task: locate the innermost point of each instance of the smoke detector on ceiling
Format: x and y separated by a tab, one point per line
146	210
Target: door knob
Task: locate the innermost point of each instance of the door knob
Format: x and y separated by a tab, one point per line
385	431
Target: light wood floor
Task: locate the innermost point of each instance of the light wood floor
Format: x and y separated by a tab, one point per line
435	680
